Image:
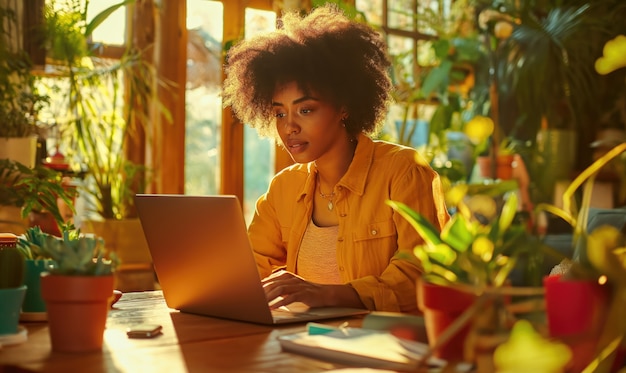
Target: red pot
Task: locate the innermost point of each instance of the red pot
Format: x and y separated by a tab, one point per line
576	311
77	309
441	306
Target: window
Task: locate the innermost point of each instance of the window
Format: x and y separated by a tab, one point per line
404	23
109	32
205	25
258	152
203	106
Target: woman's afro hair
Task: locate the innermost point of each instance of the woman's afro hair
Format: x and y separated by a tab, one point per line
344	61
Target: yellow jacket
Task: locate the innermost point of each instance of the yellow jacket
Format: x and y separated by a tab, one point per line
374	244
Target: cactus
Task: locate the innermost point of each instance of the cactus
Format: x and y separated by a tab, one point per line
12	265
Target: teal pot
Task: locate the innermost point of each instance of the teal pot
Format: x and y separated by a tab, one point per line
10	305
34	305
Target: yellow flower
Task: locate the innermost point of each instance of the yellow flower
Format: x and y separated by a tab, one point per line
605	250
614	56
483	248
527	351
455	194
479	128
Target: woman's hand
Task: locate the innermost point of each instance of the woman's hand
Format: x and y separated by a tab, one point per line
283	288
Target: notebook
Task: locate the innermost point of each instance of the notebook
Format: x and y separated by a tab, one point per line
204	261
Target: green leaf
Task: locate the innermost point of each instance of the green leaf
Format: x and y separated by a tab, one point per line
441	253
102	16
437	79
502	274
456	233
441	48
444	273
508	212
423	226
421	254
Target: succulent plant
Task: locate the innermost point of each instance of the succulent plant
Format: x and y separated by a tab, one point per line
31	242
75	254
11	262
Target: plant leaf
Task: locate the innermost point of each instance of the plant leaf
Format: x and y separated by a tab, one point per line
423	226
456	233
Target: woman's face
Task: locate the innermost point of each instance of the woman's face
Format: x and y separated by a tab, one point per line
309	127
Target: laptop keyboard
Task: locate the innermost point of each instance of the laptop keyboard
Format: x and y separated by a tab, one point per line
281	314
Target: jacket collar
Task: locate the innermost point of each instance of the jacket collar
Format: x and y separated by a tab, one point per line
356	176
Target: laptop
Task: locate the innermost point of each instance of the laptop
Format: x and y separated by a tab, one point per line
204	261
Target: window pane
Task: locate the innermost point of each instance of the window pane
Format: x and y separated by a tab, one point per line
258	152
112	30
401	14
372	10
438	11
203	101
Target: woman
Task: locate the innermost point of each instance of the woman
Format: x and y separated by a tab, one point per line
322	231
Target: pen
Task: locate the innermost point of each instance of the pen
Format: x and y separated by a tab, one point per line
314	328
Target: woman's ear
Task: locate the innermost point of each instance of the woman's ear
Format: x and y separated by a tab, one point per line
344	114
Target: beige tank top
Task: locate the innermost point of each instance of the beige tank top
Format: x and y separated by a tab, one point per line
317	258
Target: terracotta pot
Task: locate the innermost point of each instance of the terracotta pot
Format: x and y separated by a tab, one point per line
442	305
504	166
503	170
77	310
576	311
484	166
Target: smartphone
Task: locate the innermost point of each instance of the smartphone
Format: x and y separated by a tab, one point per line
144	331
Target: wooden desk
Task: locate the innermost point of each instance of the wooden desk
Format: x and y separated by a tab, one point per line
189	343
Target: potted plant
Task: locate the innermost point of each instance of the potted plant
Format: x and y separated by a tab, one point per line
20	100
498	162
543	79
437	100
105	102
96	124
12	288
27	192
77	289
469	263
596	275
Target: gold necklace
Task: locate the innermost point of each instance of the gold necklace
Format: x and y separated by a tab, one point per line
330	197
